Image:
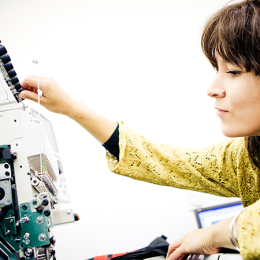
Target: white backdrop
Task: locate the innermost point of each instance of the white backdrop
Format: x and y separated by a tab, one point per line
133	60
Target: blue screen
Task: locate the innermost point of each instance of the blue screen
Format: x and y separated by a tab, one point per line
214	215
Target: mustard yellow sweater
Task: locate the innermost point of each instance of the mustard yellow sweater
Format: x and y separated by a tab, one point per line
223	169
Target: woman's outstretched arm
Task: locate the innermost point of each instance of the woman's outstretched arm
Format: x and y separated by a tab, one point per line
55	99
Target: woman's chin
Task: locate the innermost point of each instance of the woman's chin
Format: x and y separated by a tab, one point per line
231	132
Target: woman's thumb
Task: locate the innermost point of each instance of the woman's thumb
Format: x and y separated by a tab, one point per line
29	95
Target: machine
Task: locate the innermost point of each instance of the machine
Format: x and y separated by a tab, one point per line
32	181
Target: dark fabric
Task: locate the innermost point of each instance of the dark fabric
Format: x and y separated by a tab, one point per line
157	247
112	144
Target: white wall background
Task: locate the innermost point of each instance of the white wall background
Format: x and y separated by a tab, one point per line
133	60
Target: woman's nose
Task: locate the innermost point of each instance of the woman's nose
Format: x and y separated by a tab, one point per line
215	90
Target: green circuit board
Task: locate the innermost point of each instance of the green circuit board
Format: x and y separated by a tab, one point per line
21	228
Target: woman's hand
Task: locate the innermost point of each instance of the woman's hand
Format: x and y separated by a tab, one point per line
54	98
196	242
205	241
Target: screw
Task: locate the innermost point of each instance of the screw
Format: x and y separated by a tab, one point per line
11	221
8	201
24	207
26	219
39	220
28	252
42	237
8	232
7	173
26	235
68	212
6	166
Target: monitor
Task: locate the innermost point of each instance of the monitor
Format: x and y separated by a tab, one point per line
211	215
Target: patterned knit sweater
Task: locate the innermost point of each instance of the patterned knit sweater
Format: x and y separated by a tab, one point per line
223	169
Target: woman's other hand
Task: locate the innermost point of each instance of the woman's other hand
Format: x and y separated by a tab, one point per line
196	242
54	98
205	241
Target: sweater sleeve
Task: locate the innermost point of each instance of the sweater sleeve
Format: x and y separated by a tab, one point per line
211	170
249	232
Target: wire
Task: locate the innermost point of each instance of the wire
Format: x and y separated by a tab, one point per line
39	114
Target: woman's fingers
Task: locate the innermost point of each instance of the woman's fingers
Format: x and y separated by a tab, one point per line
185	257
54	98
36	77
31	83
30	88
30	95
201	241
173	246
177	254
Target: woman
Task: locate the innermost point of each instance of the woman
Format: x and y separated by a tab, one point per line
231	42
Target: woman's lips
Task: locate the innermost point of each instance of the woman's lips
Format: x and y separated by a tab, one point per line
221	112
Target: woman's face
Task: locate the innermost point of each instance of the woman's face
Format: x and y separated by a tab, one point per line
237	95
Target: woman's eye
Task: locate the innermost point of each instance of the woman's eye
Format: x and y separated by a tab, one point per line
234	73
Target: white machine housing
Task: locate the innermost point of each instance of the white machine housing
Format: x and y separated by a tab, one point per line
26	136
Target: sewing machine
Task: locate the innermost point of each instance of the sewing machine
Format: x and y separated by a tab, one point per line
32	181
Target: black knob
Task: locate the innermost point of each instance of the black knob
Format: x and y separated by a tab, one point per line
12	73
15	80
76	217
8	66
17	86
39	210
14	156
5	59
45	202
19	90
53	240
2	193
47	213
3	50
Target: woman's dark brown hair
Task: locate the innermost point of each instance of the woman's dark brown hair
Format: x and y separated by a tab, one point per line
234	32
